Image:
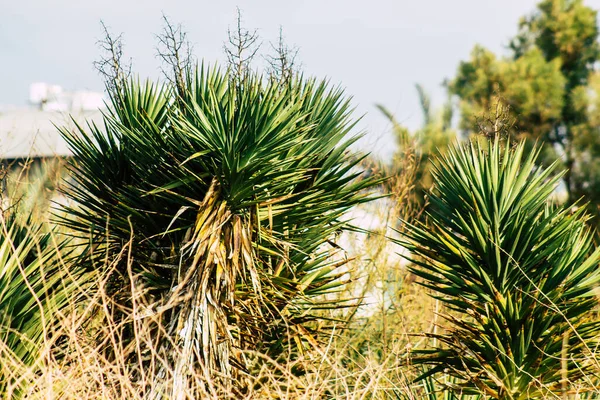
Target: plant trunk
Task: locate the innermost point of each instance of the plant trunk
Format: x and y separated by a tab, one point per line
201	342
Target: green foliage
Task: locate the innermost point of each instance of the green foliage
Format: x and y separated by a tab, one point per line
564	30
230	194
586	142
34	288
516	272
543	85
530	86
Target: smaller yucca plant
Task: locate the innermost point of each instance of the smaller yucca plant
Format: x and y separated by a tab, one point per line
516	272
34	290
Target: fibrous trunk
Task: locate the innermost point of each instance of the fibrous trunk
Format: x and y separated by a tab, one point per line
205	327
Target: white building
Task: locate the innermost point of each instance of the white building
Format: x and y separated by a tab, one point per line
31	132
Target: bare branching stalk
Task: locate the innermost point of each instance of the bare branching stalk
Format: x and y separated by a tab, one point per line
283	63
498	123
241	47
110	65
175	51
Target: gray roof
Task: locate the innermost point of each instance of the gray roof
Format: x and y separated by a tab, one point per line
30	133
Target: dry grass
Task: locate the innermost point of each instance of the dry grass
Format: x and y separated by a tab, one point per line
366	356
88	358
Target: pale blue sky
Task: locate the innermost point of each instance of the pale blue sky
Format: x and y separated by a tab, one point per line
377	49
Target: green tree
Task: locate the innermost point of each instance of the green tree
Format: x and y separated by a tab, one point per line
542	83
517	272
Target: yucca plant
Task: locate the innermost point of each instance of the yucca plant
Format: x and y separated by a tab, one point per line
34	290
231	194
516	272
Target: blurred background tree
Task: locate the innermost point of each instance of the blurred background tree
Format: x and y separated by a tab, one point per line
548	85
431	139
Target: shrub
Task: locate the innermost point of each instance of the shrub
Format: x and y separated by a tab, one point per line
231	193
516	272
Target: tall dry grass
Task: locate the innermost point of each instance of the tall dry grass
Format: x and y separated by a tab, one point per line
366	356
86	357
